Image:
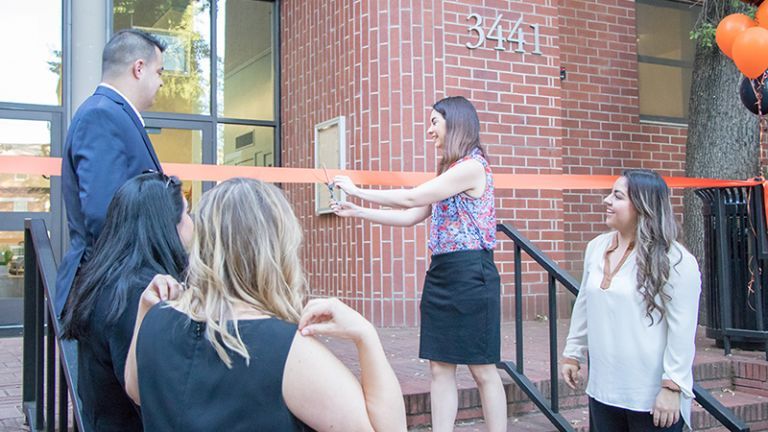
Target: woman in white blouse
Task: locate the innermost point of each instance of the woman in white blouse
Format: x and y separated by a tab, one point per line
636	314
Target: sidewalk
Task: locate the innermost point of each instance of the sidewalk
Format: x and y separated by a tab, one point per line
401	345
11	418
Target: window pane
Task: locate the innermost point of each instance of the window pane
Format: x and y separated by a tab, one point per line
246	60
663	30
181	146
245	145
666	55
30	32
185	26
23	192
11	277
664	90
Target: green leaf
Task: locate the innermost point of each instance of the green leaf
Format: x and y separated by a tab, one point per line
704	34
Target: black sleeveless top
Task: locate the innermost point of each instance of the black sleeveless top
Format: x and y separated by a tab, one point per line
184	385
101	366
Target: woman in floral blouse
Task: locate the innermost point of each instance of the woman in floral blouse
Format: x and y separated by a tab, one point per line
460	304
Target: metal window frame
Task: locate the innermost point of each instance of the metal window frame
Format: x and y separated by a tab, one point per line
54	218
59	116
670	4
66	44
212	119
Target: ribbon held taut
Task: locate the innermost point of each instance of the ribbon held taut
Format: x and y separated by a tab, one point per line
51	166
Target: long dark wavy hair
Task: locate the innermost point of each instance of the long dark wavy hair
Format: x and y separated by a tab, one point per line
462	130
656	234
139	240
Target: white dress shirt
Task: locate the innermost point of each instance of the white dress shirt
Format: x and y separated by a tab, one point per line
628	357
138	114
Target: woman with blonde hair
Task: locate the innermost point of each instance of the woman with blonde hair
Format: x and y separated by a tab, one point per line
636	314
226	354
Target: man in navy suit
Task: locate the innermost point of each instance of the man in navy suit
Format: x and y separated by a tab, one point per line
106	144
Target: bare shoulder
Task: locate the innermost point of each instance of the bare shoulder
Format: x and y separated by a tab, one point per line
473	164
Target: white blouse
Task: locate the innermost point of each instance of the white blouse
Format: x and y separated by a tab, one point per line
629	358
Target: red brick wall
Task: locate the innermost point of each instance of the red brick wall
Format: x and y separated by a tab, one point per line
602	132
518	99
382	64
379	65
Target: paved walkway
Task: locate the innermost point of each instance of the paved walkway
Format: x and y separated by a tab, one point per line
11	418
401	345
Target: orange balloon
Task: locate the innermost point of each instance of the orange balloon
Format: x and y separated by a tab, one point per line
750	52
761	16
729	29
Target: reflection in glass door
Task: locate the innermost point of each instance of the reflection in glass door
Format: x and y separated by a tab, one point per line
23	192
25	196
184	26
245	145
11	277
181	142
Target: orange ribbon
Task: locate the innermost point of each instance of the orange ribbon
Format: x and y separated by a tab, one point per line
51	166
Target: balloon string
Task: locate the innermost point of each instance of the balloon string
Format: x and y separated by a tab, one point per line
757	87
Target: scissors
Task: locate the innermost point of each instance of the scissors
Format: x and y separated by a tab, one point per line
328	182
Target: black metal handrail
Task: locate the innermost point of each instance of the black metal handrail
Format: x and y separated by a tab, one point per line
723	414
41	340
550	407
40	322
555	274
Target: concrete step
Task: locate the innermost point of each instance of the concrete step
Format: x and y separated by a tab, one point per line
752	408
577	417
712	375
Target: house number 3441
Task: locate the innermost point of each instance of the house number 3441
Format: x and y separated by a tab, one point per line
495	32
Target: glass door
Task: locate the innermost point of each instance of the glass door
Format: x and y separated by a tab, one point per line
25	133
182	141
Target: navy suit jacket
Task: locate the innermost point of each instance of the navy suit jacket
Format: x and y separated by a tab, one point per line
106	145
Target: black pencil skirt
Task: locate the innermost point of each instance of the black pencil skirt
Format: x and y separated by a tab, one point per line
461	309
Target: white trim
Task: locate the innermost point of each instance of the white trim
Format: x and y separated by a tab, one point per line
340	123
664	123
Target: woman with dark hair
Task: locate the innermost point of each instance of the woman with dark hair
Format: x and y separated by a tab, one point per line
460	303
636	314
232	351
145	233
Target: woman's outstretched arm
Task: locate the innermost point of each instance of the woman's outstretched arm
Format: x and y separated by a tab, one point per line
404	218
464	177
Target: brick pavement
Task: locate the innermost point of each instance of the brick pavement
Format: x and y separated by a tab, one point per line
401	345
10	385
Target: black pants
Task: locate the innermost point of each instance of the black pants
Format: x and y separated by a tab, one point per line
606	418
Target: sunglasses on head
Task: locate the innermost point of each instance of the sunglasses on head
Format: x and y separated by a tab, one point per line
168	179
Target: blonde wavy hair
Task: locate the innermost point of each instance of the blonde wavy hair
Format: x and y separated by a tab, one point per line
245	252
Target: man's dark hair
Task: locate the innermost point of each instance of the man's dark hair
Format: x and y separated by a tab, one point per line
127	46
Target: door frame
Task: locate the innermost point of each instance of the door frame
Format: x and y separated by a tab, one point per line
54	219
206	127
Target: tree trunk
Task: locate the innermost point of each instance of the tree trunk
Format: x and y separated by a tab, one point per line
723	136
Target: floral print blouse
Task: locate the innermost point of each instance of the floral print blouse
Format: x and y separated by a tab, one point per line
462	222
